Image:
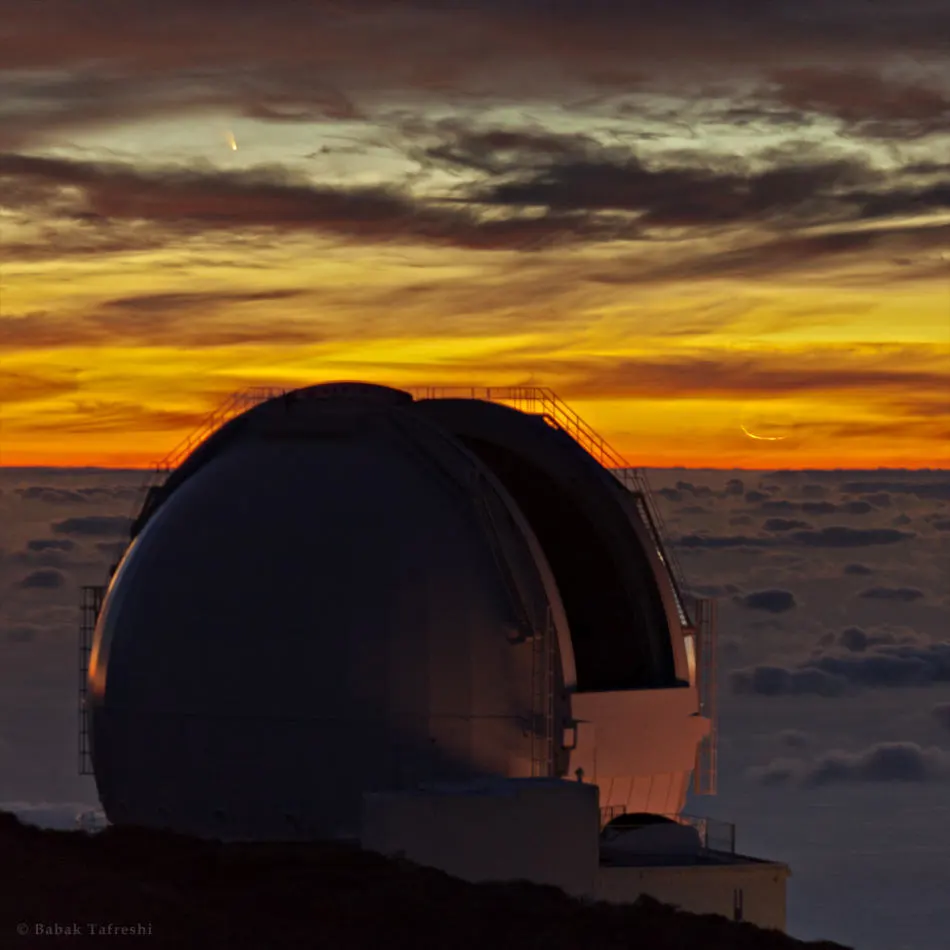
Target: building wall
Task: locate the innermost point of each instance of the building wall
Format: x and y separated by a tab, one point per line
639	746
704	889
541	830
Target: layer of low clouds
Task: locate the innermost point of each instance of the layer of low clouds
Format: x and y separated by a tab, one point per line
882	762
828	712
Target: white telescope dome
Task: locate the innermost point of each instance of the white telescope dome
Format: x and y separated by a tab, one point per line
345	591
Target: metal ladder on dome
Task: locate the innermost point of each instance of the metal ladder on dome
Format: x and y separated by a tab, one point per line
543	653
705	771
543	656
90	606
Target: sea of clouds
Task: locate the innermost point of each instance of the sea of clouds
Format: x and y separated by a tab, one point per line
833	678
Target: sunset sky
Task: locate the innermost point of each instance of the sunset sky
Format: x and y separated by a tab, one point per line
689	218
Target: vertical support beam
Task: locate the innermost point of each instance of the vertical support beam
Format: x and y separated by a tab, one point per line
704	775
543	655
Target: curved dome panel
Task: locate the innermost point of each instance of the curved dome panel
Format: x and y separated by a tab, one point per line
620	625
344	591
329	597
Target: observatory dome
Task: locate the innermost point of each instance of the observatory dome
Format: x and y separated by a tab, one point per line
343	591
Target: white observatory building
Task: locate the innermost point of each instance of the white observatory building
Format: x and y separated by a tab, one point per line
441	624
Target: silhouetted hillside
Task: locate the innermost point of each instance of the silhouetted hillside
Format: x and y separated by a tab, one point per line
199	894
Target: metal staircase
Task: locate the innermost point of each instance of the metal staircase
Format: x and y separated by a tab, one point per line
233	406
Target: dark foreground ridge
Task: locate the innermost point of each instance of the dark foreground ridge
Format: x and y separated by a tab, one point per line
191	893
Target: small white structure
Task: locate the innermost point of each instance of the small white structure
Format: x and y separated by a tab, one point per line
731	885
442	624
546	831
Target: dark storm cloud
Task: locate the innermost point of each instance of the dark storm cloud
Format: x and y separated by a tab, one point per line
47	544
292	52
833	537
883	762
666	193
779	681
722	541
879	664
171	319
857	640
111	492
929	490
541	196
817	507
822	508
773	601
698	491
783	524
46	578
53	496
183	199
780	505
161	303
48	557
842	537
93	526
903	594
693	197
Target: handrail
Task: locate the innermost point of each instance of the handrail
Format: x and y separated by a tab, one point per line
545	402
714	834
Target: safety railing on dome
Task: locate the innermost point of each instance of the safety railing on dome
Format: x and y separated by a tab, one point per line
541	401
535	400
234	405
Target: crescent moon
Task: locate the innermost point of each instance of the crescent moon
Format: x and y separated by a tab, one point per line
762	438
